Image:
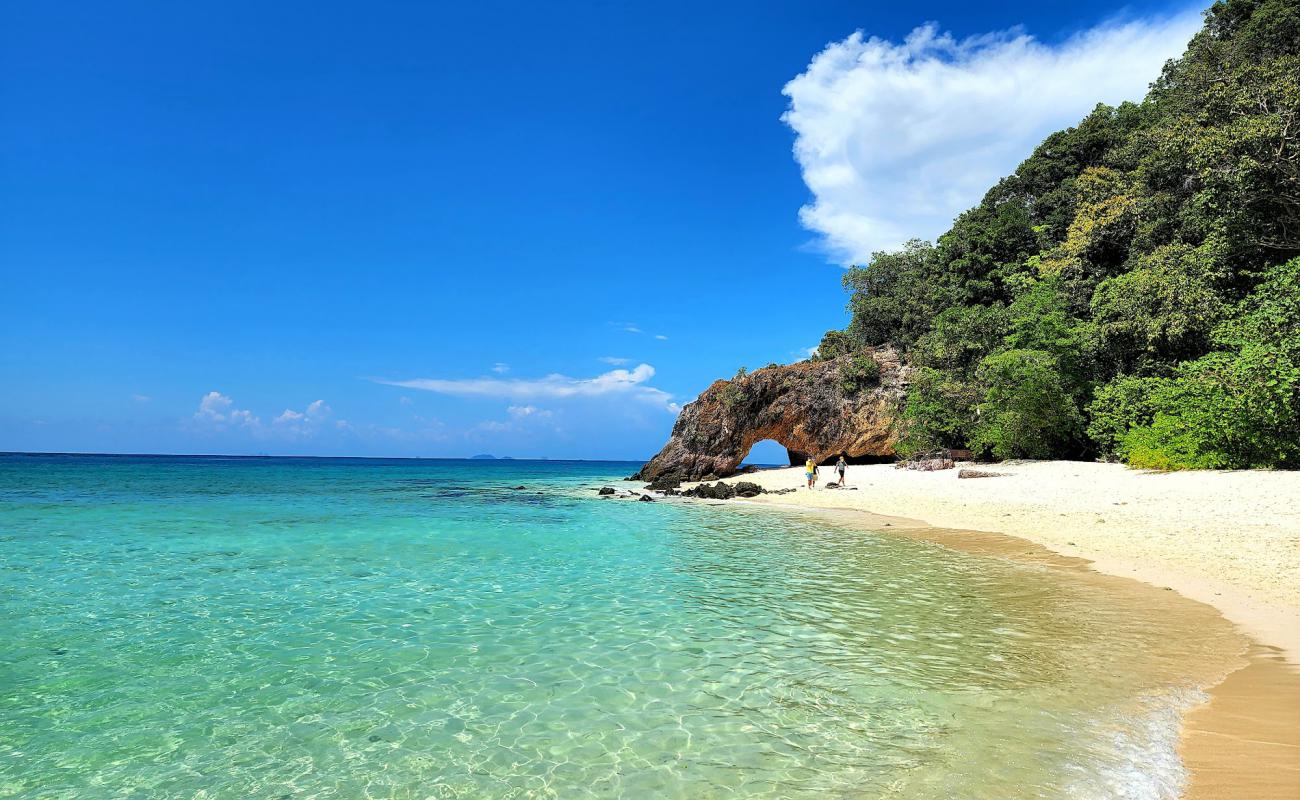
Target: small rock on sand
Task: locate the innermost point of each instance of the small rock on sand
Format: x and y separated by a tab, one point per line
979	473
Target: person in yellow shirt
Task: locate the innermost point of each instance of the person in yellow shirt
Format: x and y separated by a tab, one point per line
810	471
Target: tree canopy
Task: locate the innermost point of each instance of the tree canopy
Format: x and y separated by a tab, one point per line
1132	291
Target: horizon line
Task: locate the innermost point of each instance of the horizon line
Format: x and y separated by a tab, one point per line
274	455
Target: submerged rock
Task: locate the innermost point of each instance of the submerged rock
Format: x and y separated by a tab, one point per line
807	407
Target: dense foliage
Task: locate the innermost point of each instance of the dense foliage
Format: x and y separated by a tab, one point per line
1132	291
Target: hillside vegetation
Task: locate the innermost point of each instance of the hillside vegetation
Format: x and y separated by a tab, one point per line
1132	291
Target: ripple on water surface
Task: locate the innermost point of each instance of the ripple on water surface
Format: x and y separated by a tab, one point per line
277	628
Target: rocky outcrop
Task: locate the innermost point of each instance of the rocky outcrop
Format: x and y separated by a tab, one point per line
817	409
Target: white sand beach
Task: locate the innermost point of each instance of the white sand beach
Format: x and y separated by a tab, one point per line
1229	539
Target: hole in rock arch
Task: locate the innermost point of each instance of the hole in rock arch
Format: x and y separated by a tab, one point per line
767	453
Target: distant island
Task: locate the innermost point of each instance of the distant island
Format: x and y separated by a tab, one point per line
484	457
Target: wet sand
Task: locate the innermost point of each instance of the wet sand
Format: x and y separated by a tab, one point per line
1245	742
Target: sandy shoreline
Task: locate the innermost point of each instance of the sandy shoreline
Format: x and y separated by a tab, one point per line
1230	540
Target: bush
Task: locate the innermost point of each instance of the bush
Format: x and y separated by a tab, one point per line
833	345
733	395
940	412
1223	411
859	374
1026	412
1238	407
1120	406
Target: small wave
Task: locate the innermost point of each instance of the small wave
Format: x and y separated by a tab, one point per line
1140	760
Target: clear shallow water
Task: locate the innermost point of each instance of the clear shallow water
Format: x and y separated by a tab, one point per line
228	628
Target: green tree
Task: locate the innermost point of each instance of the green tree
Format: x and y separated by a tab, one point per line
890	300
939	412
959	337
1026	411
1161	311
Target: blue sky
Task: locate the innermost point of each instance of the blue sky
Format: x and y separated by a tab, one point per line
526	229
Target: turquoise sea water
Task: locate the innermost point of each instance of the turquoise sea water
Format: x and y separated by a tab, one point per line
302	628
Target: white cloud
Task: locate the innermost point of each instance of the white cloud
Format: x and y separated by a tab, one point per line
632	327
213	406
404	400
631	383
141	398
216	409
306	422
614	360
500	368
521	412
894	140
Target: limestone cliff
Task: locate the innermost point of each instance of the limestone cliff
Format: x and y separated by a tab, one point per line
818	409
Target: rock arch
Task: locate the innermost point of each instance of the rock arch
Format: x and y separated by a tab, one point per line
801	406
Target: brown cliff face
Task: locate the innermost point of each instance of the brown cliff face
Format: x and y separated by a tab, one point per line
809	407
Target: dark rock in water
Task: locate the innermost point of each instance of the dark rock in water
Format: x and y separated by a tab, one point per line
979	473
605	490
718	491
517	488
375	738
664	483
808	407
645	498
748	489
59	651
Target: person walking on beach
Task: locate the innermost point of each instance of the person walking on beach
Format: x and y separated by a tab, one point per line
810	471
841	467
